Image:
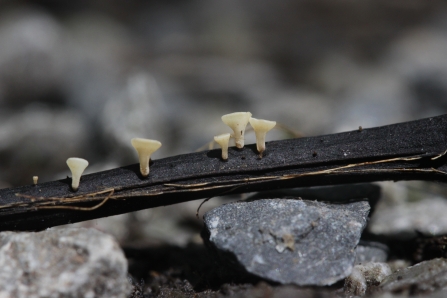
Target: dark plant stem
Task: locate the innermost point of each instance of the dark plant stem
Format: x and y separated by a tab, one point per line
406	151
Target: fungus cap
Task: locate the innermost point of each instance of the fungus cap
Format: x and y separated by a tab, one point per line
77	167
261	124
145	148
237	122
223	141
261	127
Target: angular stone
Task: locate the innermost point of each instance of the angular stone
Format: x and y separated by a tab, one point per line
288	240
69	262
428	276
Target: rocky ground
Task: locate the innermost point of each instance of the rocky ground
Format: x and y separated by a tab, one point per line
83	78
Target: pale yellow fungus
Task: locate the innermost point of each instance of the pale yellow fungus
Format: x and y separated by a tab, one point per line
237	122
261	127
77	167
145	148
223	140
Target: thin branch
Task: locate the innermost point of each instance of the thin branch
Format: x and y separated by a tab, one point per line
407	151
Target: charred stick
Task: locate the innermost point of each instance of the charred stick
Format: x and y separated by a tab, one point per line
406	151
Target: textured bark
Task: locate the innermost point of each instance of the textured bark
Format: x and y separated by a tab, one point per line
405	151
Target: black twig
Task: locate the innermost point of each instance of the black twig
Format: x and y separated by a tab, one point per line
405	151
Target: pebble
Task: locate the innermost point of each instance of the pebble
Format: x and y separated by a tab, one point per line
71	262
289	241
424	277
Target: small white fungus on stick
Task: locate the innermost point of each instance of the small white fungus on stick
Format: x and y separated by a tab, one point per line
261	127
237	122
145	148
223	141
77	167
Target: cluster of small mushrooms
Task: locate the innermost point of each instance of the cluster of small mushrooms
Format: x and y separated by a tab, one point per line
236	121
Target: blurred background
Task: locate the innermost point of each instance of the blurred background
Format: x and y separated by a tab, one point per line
81	78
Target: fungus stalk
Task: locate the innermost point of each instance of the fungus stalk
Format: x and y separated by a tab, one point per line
145	148
35	179
77	167
223	140
261	127
237	122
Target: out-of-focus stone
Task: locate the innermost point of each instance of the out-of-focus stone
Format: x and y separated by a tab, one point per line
425	277
398	264
367	105
288	240
32	62
411	57
116	226
370	252
335	73
62	263
365	276
426	216
419	57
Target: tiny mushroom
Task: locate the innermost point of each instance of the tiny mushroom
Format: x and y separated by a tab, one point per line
261	128
77	167
35	178
237	122
223	140
145	148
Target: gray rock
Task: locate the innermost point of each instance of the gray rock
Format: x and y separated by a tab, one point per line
428	276
62	263
288	240
371	252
